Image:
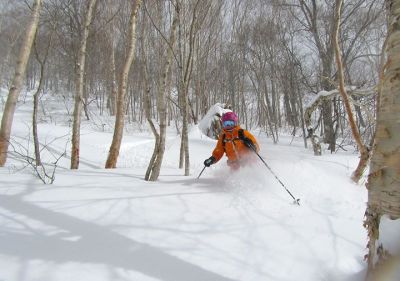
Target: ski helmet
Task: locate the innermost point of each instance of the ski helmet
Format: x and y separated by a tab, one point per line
229	116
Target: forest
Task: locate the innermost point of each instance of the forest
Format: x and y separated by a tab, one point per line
324	72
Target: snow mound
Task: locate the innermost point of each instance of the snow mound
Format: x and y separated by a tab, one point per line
213	115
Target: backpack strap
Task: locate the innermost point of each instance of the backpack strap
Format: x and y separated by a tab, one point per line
240	137
249	143
241	134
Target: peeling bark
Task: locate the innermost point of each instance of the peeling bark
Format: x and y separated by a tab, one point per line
384	175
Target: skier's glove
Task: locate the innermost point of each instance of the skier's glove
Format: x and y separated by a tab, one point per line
208	162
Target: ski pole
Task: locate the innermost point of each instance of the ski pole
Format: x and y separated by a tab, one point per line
296	201
201	172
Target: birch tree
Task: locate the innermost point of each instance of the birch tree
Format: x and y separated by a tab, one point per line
317	19
186	46
154	167
322	37
36	96
123	82
17	81
79	86
384	174
364	152
111	77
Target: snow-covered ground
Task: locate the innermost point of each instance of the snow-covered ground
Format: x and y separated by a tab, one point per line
95	224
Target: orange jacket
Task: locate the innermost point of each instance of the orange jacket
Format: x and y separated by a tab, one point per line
234	148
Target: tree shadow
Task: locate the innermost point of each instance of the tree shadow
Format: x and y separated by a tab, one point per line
84	242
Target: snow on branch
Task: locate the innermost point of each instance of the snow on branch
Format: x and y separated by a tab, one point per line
318	100
323	95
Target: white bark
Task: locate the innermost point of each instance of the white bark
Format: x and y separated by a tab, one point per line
79	87
155	164
121	103
16	84
384	177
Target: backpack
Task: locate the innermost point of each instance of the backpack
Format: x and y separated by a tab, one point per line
240	137
246	141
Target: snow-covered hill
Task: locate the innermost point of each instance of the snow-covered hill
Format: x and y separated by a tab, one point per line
95	224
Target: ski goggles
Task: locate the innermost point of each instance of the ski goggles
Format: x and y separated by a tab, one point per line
228	123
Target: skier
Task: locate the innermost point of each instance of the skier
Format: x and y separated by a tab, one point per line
235	142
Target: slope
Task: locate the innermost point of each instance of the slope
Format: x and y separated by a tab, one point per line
97	224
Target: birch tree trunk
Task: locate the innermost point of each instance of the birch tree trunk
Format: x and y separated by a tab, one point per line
364	152
121	100
17	81
76	127
323	42
111	42
185	74
34	117
113	94
36	97
384	175
153	171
